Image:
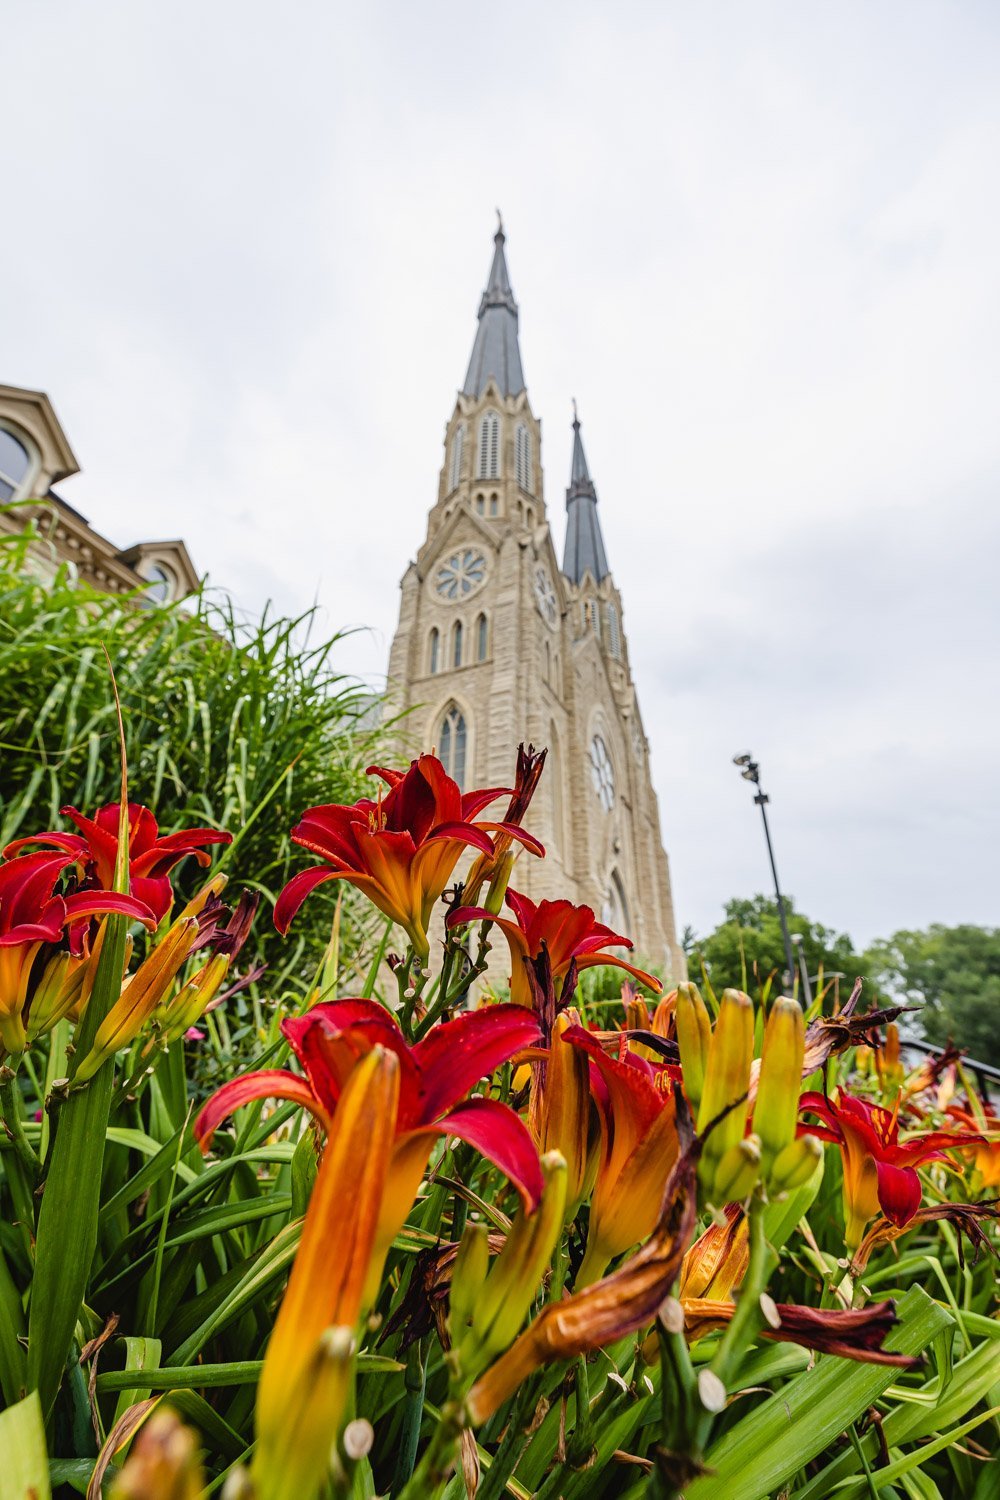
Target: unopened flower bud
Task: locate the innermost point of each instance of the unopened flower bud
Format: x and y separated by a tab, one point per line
468	1277
516	1273
501	879
56	993
737	1171
794	1166
565	1108
141	994
776	1110
694	1036
727	1079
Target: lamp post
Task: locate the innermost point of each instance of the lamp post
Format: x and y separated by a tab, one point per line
750	771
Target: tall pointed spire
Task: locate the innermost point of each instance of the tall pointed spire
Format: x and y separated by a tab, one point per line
584	543
496	351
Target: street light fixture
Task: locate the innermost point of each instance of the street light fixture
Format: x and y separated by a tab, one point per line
750	771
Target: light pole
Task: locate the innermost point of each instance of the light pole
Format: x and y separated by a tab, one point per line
750	771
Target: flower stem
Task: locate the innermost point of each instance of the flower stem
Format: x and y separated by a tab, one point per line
439	1456
748	1317
21	1164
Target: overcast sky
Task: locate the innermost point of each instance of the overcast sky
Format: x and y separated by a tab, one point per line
243	249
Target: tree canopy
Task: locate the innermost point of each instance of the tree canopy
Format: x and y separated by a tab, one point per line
953	973
747	949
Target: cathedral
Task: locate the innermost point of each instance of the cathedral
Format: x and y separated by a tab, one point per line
497	643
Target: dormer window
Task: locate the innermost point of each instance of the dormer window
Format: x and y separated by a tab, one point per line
457	444
15	466
489	446
162	585
522	457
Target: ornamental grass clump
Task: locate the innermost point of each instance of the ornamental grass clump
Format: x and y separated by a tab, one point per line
432	1244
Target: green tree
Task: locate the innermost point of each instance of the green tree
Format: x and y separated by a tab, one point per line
747	948
953	973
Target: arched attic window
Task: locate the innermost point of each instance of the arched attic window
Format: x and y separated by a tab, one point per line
452	742
434	652
162	585
15	465
522	457
489	446
482	638
456	644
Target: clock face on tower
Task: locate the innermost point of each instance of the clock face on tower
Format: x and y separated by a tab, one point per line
460	574
545	595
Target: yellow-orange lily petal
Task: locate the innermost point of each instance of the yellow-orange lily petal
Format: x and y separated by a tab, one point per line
305	1381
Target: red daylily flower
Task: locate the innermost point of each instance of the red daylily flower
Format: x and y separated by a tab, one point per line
639	1146
571	934
435	1076
32	913
151	858
400	851
879	1169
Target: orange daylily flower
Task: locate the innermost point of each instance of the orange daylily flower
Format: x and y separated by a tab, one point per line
400	850
305	1382
33	914
571	935
436	1075
639	1146
151	855
879	1168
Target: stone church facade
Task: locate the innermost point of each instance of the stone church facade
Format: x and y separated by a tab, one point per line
498	642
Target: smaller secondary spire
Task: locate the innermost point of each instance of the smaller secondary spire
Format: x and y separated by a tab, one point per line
584	543
495	352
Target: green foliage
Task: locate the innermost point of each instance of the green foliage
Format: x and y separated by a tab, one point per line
747	948
133	1268
238	723
953	973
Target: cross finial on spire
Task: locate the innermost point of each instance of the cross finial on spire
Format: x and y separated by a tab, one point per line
576	419
500	224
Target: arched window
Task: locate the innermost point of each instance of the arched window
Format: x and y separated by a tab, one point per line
482	638
557	675
548	661
522	457
15	461
481	505
614	632
489	446
494	505
162	584
456	644
435	651
451	743
457	444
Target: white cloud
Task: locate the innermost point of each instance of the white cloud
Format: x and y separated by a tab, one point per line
758	244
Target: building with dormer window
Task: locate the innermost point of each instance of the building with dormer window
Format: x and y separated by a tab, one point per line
498	643
35	455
